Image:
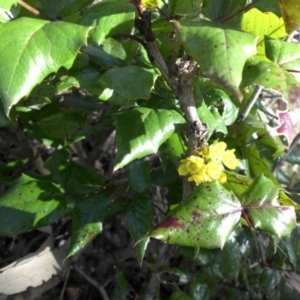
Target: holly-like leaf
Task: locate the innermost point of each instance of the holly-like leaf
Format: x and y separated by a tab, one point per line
42	48
109	18
260	203
30	204
290	13
205	219
269	75
88	217
140	132
138	221
130	82
220	51
261	24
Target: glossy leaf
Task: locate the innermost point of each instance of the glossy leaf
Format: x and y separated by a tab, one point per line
289	10
138	220
269	75
261	205
261	24
130	82
205	219
88	216
140	131
43	48
30	204
220	51
109	18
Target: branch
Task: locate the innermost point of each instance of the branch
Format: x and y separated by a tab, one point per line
34	10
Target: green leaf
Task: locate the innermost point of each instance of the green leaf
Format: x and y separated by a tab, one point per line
269	75
263	24
62	125
30	204
172	150
122	289
190	7
138	221
237	183
198	289
220	51
7	4
130	82
260	203
140	132
42	48
268	6
69	7
284	54
259	166
109	18
103	54
139	175
179	295
205	219
88	217
216	97
218	11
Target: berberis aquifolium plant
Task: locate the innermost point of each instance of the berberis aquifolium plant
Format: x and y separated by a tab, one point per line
105	102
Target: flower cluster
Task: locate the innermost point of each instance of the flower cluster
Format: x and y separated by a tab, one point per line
208	164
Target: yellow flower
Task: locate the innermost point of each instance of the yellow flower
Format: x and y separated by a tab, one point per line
205	152
208	164
150	3
216	151
229	159
213	171
191	164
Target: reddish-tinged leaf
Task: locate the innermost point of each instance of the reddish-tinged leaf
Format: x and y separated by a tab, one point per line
205	219
290	12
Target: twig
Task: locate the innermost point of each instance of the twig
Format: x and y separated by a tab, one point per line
286	155
93	282
247	109
154	280
65	284
224	19
34	10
